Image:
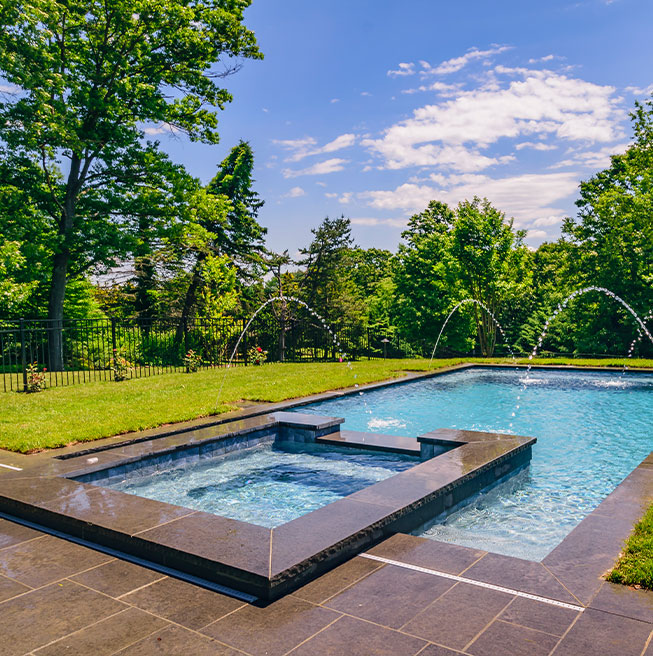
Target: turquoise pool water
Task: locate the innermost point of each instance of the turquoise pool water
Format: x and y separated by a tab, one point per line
592	429
266	485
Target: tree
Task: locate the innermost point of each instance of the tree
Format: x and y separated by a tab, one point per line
232	232
427	286
493	264
326	283
89	74
613	240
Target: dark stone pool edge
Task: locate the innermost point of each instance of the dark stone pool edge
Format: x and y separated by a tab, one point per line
266	563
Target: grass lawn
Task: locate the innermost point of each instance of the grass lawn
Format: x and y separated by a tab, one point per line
78	413
635	567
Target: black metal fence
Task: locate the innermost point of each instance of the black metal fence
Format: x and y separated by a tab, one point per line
85	350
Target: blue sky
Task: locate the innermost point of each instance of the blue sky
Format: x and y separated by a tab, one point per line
371	108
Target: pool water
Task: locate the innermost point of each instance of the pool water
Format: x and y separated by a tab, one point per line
269	484
592	430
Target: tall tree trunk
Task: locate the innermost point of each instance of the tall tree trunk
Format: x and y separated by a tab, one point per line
55	309
60	263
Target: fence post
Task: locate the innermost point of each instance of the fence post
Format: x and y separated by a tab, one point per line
245	341
23	354
113	335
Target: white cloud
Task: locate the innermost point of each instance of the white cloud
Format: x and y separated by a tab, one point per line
593	159
641	91
405	68
334	100
328	166
548	221
346	197
160	128
546	58
539	145
457	63
452	133
331	194
365	93
372	221
308	146
537	234
527	197
295	192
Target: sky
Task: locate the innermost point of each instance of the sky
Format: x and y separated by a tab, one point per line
372	108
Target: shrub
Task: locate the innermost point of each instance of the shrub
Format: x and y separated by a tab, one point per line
35	378
192	361
120	366
257	355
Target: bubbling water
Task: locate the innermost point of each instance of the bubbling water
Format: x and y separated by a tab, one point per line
482	305
641	328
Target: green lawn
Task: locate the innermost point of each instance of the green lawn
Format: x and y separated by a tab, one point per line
64	415
635	567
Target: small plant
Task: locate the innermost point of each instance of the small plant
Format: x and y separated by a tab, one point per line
35	378
120	366
192	361
257	355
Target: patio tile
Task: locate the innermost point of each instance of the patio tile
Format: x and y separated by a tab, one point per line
536	615
437	650
10	588
336	580
44	615
12	533
442	556
272	630
107	636
183	603
49	559
117	577
583	557
459	615
302	538
115	510
390	596
622	600
174	641
517	574
502	638
617	636
209	536
358	638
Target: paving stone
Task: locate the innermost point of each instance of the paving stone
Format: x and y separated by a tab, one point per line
458	616
10	588
183	603
50	613
272	630
12	533
623	600
440	556
174	641
502	638
615	635
39	562
390	596
539	616
336	580
358	638
107	636
117	578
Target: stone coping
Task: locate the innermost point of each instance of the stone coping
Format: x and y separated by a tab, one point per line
265	563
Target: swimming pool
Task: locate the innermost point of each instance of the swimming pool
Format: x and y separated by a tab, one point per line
267	485
592	428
